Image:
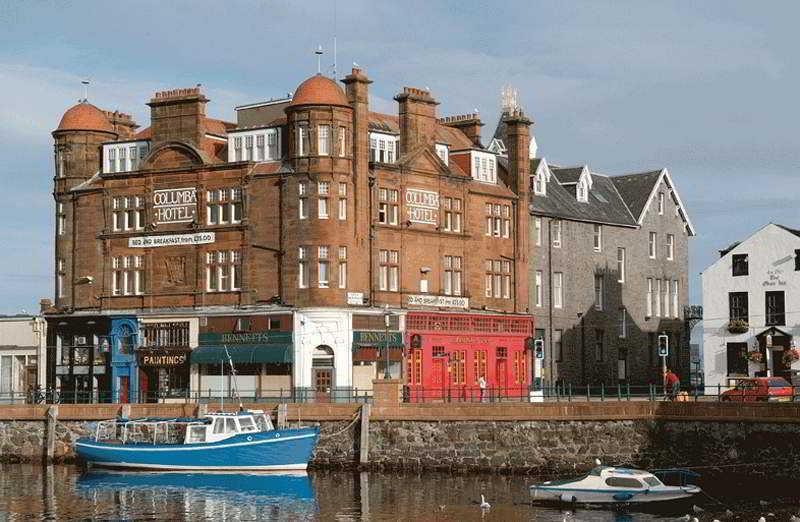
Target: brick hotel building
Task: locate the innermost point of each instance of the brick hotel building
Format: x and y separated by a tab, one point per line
292	237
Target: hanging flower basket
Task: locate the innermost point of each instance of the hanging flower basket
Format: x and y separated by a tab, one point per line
756	357
738	326
791	355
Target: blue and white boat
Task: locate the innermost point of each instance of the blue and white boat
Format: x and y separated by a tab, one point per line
242	441
612	485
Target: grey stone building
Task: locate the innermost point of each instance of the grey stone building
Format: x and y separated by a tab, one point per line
608	273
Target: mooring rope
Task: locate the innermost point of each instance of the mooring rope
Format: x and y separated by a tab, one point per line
356	416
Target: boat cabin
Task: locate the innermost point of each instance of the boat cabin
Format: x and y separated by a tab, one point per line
220	426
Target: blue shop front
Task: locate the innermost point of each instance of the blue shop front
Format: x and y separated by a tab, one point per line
123	341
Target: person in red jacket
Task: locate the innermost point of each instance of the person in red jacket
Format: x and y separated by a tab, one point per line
672	384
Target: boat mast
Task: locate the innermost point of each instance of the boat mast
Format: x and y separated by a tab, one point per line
233	376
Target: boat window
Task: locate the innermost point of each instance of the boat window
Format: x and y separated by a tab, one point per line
219	426
623	482
262	423
230	425
652	481
197	434
247	424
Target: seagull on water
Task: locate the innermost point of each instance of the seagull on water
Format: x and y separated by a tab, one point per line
484	504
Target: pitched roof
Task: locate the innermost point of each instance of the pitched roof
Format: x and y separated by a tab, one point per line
567	175
635	189
794	231
605	204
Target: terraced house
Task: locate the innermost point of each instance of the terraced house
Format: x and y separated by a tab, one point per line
608	272
319	243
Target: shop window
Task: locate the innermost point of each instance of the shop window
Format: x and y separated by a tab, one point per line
479	365
458	366
165	335
437	351
502	352
415	367
520	368
274	324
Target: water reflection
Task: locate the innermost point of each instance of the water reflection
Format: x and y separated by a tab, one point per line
189	496
64	492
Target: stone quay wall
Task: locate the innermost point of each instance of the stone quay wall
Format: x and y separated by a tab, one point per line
526	438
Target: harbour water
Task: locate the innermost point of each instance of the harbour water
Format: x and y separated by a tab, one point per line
67	493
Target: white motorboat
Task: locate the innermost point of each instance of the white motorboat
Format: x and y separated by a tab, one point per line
611	485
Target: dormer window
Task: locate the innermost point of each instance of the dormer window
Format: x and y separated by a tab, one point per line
484	166
443	151
261	144
541	177
382	147
124	157
583	186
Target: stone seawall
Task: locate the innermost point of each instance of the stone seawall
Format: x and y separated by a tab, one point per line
526	438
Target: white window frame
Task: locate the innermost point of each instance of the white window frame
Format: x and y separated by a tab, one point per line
342	137
598	238
303	140
670	247
621	264
558	290
323	190
537	224
342	279
649	303
675	311
556	233
324	140
538	291
323	267
302	267
652	244
658	298
660	203
599	292
302	200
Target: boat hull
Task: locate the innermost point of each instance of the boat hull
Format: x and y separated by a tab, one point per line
612	496
265	451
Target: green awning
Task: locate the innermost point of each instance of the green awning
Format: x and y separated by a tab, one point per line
243	354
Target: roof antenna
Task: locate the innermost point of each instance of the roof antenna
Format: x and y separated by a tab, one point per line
85	83
319	52
334	39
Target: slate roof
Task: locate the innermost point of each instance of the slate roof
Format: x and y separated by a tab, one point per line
566	175
635	189
605	204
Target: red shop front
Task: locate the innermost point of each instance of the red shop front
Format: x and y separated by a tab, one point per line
447	353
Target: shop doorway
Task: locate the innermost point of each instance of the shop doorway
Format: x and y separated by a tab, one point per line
322	374
123	387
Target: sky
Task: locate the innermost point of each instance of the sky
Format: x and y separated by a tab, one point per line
708	90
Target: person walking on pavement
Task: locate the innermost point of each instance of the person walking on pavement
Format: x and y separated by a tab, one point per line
482	386
672	384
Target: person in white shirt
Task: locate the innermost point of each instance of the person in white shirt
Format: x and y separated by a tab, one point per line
482	386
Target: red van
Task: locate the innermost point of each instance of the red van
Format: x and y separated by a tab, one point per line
771	389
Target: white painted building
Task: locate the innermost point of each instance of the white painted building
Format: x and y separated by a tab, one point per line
751	304
23	340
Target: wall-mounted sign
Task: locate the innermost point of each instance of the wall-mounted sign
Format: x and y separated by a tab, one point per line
377	339
439	301
200	238
355	298
231	338
422	206
175	205
162	359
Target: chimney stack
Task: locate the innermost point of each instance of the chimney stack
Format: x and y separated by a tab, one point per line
469	124
517	144
417	117
123	123
178	114
45	305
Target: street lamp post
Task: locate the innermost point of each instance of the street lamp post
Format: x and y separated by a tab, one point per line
386	374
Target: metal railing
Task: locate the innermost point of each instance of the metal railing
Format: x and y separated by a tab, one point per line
411	394
587	393
293	394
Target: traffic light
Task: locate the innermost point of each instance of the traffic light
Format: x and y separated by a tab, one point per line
663	345
538	348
